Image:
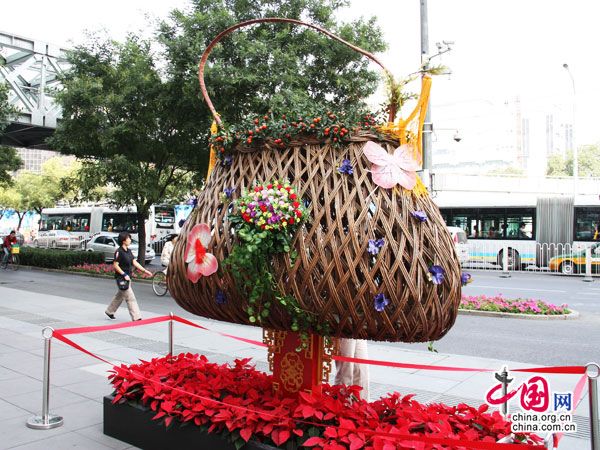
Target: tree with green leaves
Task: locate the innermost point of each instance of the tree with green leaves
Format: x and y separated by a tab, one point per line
121	118
588	162
9	158
35	191
269	66
11	200
141	129
46	189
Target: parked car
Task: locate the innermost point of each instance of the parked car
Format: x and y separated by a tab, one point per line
5	232
57	239
572	262
106	243
461	243
159	244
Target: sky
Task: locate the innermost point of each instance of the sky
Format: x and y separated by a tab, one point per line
503	50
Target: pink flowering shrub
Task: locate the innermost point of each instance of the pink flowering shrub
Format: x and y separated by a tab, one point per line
498	303
102	269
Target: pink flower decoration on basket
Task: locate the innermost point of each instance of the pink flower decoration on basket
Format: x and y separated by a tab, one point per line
389	170
200	263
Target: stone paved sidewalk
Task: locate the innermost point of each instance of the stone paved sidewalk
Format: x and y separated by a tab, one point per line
78	382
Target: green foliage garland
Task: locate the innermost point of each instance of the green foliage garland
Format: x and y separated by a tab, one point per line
265	221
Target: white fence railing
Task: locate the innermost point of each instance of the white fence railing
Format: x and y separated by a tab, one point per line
72	243
526	256
565	259
79	244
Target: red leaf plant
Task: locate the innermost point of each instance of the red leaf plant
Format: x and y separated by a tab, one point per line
238	403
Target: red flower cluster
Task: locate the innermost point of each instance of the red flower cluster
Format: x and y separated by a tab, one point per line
279	130
239	402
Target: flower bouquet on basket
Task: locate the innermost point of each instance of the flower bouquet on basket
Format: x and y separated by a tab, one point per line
266	219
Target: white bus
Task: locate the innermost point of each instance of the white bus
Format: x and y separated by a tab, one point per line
81	222
532	227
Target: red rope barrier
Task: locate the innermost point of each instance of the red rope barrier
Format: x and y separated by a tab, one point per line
578	391
577	396
116	326
568	370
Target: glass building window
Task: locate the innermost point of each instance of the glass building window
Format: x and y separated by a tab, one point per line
117	222
519	224
492	223
587	223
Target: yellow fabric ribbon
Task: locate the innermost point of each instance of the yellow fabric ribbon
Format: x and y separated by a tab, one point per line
212	162
410	130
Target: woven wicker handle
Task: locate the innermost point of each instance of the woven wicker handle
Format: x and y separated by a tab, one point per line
229	30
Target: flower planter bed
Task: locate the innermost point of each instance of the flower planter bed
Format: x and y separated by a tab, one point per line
499	304
202	400
132	423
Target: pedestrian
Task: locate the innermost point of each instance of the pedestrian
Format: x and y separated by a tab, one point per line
7	244
123	264
165	256
349	373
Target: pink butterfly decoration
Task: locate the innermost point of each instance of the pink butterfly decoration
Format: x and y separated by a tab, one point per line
389	170
200	263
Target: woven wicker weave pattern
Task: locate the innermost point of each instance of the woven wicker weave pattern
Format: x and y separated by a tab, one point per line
333	277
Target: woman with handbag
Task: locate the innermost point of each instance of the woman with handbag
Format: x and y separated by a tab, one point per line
123	263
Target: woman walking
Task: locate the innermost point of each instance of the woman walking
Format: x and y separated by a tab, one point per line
165	256
124	260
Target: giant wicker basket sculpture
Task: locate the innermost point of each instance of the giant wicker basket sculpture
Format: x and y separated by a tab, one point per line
333	276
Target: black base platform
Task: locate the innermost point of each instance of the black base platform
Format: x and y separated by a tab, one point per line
133	424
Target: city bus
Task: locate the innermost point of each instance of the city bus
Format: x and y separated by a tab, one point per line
532	228
82	222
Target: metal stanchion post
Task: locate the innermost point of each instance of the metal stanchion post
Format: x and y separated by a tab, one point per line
549	441
46	420
503	378
588	265
505	272
593	371
171	336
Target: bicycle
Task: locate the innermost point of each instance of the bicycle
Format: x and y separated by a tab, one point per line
13	259
159	283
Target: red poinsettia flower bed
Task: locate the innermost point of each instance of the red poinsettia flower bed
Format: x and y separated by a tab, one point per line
238	402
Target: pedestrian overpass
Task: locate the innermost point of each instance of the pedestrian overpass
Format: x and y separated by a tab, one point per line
31	69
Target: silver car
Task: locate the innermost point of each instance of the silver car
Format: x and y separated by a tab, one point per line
57	239
107	243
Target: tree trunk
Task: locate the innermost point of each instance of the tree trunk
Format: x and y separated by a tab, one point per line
141	225
21	217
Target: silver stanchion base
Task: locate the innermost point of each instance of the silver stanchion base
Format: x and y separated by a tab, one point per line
38	423
505	275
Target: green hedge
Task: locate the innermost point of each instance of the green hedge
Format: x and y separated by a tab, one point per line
57	259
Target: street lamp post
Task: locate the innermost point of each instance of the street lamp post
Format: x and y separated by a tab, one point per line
427	125
573	141
443	47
